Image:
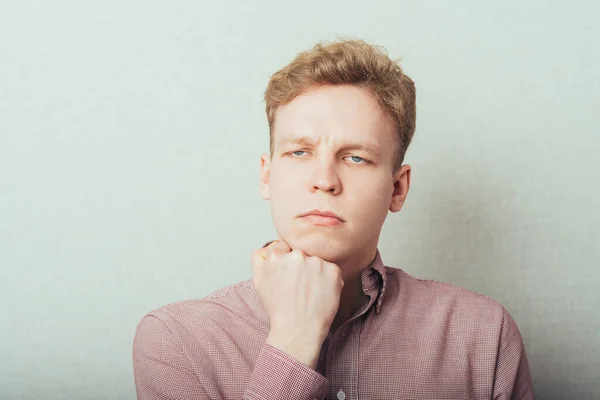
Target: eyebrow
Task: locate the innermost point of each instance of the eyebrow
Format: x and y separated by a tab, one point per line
371	148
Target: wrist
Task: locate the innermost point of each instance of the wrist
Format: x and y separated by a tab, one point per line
304	348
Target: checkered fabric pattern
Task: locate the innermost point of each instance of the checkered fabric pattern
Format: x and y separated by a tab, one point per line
415	339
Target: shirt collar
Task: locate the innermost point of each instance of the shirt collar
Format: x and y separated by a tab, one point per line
373	280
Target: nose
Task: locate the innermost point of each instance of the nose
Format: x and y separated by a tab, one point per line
326	179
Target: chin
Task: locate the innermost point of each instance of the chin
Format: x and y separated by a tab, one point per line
324	247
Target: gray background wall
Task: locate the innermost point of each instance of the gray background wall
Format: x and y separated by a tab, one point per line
130	135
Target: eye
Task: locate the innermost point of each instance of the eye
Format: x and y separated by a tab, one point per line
358	160
298	151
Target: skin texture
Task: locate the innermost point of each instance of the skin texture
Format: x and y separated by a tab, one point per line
317	163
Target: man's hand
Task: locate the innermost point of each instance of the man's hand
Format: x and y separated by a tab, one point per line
301	295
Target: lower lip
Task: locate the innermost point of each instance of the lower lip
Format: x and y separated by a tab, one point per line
322	220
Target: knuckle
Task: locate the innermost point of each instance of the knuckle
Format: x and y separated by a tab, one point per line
297	254
319	265
335	271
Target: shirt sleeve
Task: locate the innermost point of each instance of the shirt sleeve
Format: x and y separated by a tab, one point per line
277	375
512	379
163	371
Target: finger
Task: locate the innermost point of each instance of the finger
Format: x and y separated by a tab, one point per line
263	251
261	254
274	247
258	255
277	247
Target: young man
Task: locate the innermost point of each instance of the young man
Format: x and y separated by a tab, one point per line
322	317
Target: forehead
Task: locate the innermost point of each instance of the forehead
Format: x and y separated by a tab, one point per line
342	113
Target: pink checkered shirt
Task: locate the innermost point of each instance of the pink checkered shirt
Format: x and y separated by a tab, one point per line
415	339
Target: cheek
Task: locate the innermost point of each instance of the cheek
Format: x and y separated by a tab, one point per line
373	202
285	181
280	187
283	196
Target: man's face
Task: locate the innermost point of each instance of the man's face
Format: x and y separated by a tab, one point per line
333	151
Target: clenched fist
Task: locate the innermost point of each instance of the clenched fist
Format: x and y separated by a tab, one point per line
301	295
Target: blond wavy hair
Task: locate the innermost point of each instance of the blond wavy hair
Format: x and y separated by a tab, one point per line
348	62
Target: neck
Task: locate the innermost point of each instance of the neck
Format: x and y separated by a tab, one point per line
352	297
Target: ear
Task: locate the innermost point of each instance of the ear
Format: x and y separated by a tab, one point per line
401	186
265	170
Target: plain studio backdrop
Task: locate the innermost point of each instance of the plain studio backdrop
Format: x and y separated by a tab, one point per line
130	137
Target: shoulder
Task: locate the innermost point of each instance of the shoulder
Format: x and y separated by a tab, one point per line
221	308
177	346
448	302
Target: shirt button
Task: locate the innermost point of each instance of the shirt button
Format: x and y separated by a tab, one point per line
341	395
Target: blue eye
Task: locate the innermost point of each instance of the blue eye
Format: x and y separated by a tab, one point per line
357	159
298	151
